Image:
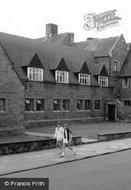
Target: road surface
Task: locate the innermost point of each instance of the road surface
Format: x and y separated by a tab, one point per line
109	172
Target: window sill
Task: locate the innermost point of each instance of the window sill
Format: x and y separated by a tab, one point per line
62	111
2	112
62	82
83	110
34	111
103	86
84	84
35	80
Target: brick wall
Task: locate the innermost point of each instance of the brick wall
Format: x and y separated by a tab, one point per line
66	91
119	53
12	89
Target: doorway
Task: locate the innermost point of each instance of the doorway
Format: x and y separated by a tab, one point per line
111	112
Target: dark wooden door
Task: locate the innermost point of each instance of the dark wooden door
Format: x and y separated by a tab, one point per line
111	112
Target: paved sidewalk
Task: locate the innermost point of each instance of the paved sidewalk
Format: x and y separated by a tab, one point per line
32	160
87	130
83	139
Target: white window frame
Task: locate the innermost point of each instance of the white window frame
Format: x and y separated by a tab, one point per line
35	74
84	78
62	76
103	80
125	84
114	66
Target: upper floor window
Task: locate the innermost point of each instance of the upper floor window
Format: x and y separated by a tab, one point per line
84	78
35	74
125	83
114	66
62	76
103	80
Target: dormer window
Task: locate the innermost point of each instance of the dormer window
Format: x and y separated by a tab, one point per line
84	78
35	74
103	80
62	76
125	83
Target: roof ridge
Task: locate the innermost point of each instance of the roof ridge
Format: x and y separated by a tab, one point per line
17	36
114	44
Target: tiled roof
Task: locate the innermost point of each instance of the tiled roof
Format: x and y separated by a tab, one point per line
20	51
101	47
57	38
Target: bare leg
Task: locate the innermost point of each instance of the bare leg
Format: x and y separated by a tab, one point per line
62	150
69	147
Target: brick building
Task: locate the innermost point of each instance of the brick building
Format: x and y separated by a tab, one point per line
54	78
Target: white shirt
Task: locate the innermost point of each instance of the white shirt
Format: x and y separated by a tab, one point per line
59	133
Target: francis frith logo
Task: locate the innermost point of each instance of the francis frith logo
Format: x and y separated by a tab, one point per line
101	21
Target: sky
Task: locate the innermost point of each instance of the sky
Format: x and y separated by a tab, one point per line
28	17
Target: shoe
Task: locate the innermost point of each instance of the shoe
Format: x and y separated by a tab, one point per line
62	155
58	152
74	152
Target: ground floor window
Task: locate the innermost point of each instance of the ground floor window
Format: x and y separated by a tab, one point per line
61	105
34	104
66	104
56	105
97	104
40	104
2	104
83	104
79	104
127	102
29	104
87	104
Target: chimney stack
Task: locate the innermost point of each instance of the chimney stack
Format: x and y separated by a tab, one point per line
51	30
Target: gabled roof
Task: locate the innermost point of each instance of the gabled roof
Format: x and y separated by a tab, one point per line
100	47
20	50
98	68
31	59
58	63
126	68
82	68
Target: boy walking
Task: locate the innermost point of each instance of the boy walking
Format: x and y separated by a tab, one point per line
67	139
59	135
